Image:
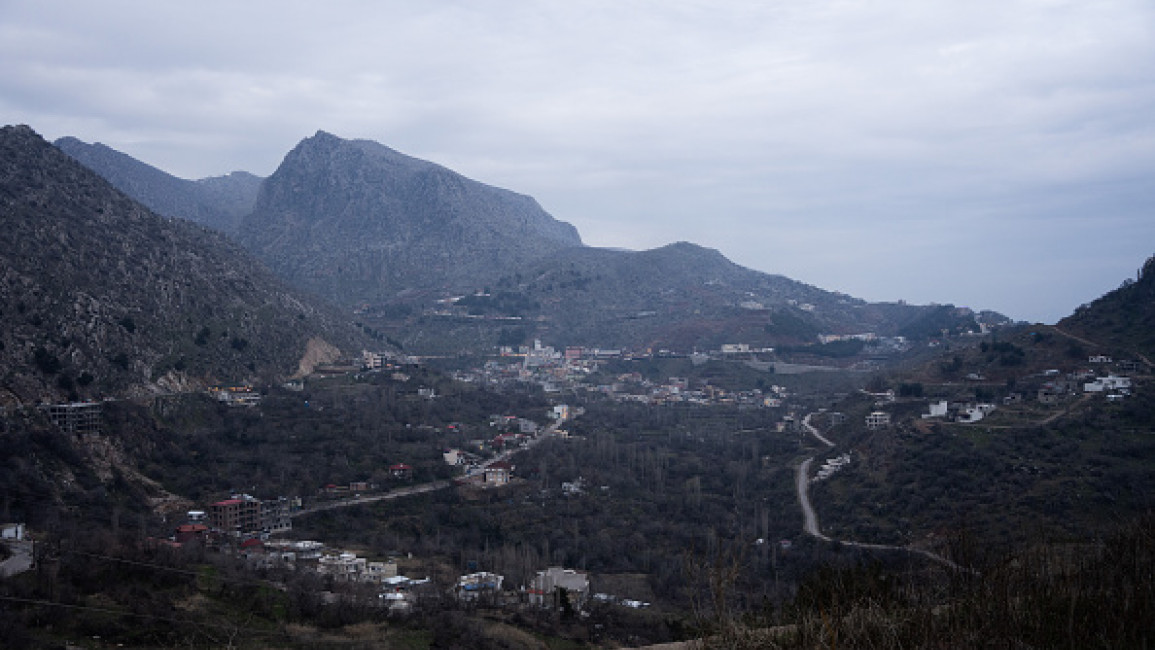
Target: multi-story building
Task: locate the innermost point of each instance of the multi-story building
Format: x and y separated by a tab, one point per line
76	418
236	516
247	515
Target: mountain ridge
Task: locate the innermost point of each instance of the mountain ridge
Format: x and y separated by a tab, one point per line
218	202
388	234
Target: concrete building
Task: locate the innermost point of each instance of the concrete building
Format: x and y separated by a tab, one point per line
877	420
550	586
498	473
76	418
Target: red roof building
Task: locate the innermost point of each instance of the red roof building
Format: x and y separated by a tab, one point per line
190	532
498	473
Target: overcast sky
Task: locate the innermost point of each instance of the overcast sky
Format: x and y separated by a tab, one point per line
997	154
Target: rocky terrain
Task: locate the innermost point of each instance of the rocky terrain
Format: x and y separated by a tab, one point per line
100	296
358	222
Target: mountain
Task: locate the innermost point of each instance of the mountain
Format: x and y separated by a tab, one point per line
400	238
357	221
218	202
100	296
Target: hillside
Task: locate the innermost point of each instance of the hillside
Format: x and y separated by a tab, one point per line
357	221
103	297
1052	458
218	202
681	296
1123	319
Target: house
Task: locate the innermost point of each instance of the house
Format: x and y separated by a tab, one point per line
401	471
498	473
877	420
555	586
371	360
477	585
186	533
1108	383
344	565
559	413
972	413
12	531
380	571
937	410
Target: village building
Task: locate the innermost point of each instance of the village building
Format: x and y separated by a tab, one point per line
551	586
877	420
498	474
477	585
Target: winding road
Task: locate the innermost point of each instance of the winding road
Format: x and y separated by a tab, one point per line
810	518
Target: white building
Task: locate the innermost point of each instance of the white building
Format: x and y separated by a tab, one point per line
1110	382
972	413
877	420
937	410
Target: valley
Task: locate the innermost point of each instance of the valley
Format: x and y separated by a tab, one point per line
367	402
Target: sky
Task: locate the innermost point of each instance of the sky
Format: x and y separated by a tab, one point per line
994	154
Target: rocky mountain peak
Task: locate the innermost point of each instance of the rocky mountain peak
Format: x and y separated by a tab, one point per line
359	221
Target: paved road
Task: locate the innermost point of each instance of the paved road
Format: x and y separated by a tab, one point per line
394	494
20	561
810	517
417	489
814	432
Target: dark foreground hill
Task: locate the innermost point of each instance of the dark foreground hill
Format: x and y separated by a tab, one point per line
101	296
